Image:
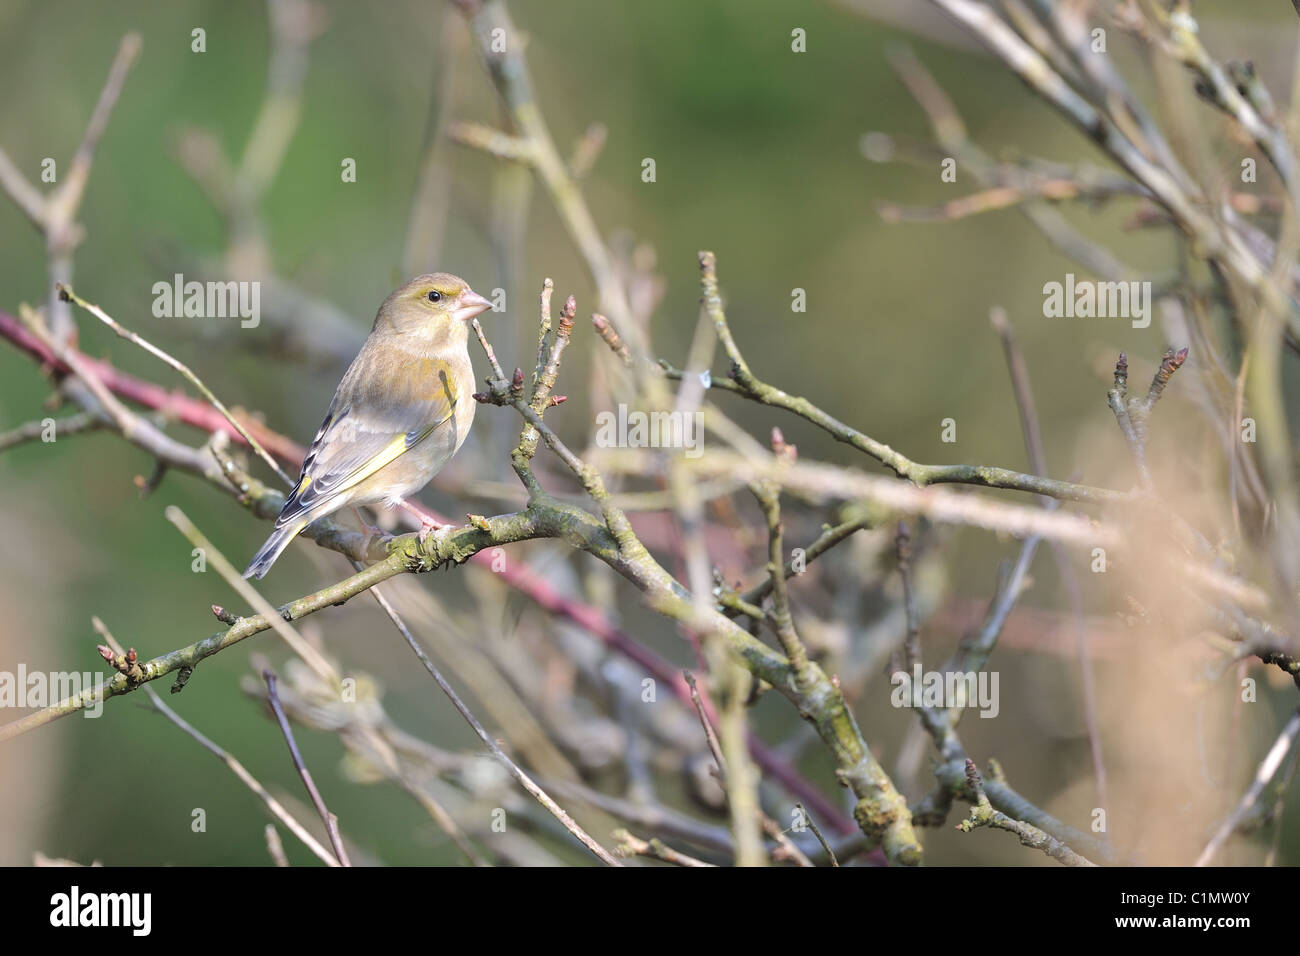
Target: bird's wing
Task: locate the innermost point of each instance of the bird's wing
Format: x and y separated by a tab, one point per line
373	427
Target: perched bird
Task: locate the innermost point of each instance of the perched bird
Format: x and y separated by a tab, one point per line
402	410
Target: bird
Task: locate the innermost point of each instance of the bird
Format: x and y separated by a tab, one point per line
402	409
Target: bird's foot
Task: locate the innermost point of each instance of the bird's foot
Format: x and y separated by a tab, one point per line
427	524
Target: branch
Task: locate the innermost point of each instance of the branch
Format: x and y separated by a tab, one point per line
67	294
982	814
274	806
534	145
655	849
1267	769
744	382
265	503
330	820
525	781
881	811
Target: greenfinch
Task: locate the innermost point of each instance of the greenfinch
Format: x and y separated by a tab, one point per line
401	411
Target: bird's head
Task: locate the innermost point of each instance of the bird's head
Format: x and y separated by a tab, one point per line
438	304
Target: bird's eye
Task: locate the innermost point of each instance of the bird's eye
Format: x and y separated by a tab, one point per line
434	295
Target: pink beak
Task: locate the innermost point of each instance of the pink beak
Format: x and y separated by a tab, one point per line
471	304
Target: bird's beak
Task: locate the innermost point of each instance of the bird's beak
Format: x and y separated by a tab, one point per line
471	304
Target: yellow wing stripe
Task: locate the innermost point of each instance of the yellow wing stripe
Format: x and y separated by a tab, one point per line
389	453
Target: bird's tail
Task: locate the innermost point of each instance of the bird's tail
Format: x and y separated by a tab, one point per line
275	544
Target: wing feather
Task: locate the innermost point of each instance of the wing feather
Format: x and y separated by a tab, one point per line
369	430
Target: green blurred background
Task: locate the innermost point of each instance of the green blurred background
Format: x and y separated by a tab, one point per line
758	158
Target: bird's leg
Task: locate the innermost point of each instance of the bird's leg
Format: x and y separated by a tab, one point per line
427	524
369	529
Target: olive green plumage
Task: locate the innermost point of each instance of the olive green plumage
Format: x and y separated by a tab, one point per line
401	411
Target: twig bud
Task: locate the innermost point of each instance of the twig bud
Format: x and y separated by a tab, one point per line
1171	363
222	615
565	325
611	337
781	448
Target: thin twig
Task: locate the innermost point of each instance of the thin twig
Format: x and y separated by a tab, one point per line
1018	369
314	658
982	814
812	825
629	845
34	430
1267	770
275	847
271	804
185	371
524	780
330	820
